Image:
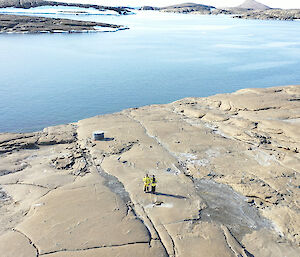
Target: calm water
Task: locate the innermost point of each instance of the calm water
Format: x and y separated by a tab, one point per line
51	79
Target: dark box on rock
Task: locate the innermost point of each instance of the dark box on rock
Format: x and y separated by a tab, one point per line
98	135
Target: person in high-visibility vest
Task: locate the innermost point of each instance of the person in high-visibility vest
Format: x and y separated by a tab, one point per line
153	184
147	182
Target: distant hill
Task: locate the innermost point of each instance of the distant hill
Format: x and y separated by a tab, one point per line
252	4
188	8
189	5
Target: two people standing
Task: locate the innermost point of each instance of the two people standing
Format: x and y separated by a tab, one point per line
149	182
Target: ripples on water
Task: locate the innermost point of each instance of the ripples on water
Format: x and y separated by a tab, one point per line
50	79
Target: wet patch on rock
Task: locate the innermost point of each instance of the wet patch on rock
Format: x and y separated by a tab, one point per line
3	196
227	207
5	199
114	185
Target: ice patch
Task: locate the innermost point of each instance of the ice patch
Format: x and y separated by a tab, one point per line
105	29
201	162
192	159
65	10
173	170
236	46
261	65
165	205
295	121
38	204
258	46
162	205
208	27
188	156
211	153
264	159
281	44
215	130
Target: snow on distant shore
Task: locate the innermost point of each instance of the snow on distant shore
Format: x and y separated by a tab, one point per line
218	3
58	10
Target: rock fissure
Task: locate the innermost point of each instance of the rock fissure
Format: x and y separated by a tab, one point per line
21	136
30	241
155	138
26	184
93	247
118	188
173	155
155	229
174	254
234	245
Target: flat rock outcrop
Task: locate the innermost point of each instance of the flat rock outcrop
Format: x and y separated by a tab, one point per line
228	181
34	24
187	8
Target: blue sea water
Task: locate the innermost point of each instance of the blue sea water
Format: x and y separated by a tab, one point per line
50	79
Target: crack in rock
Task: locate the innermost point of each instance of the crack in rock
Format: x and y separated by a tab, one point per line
155	229
118	188
234	245
94	247
24	184
30	241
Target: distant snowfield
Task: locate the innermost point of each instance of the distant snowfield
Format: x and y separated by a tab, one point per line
159	3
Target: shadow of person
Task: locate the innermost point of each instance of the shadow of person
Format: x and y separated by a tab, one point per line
170	195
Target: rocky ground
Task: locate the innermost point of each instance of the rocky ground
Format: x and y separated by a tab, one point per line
34	24
188	8
271	14
235	12
228	181
36	3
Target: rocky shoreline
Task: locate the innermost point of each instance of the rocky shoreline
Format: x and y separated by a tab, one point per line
272	14
235	12
228	181
34	24
10	23
26	4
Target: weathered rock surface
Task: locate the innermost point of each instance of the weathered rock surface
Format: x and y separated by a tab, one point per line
33	24
148	8
228	181
270	14
36	3
188	8
249	10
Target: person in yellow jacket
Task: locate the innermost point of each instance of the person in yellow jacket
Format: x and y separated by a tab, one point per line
147	182
153	184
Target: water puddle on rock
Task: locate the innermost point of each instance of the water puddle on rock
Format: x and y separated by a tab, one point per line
115	185
227	207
